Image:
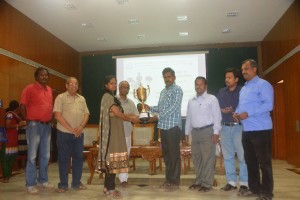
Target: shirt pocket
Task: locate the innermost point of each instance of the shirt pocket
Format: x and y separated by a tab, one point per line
68	105
81	106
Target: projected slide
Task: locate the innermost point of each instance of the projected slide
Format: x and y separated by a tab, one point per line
148	71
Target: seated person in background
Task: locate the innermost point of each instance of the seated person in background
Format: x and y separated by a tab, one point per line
9	150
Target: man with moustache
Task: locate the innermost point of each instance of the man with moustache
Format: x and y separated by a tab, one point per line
203	123
169	122
129	108
36	108
255	104
231	133
71	112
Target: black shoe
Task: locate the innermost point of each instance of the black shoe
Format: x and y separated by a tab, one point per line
228	187
243	190
246	192
204	189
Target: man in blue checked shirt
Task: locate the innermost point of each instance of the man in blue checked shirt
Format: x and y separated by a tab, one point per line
255	104
169	123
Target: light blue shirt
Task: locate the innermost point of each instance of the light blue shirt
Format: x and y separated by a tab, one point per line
256	98
169	107
202	111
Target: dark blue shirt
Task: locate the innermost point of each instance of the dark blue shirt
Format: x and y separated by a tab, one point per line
228	98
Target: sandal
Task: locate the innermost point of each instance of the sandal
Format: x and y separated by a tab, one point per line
115	194
171	187
105	191
163	186
5	180
60	190
194	187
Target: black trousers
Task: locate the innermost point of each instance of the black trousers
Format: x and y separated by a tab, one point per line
258	154
170	140
109	181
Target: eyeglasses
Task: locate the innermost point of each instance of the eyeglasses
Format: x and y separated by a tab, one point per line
73	84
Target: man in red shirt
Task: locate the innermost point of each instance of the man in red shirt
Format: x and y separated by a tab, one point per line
36	107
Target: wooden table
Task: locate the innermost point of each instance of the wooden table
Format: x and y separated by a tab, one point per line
152	153
149	153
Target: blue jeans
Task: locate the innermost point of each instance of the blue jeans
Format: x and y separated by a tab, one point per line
231	143
69	147
38	137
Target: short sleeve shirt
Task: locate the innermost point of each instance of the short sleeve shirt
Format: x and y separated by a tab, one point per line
72	108
38	101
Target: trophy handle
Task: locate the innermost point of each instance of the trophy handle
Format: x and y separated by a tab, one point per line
135	94
148	89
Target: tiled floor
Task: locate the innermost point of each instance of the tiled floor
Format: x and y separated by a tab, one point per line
144	187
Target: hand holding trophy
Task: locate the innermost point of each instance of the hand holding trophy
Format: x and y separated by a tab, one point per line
141	94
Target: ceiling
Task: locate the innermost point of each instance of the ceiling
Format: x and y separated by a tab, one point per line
108	28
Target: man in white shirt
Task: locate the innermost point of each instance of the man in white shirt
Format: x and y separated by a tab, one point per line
129	108
203	122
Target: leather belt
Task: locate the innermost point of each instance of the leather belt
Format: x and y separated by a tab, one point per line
231	123
203	127
41	122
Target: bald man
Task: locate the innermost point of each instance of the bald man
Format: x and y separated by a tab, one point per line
129	108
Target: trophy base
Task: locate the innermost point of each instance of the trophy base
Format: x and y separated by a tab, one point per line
144	117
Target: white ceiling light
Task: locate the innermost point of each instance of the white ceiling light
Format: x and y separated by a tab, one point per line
182	18
87	25
70	6
133	21
226	30
101	38
232	14
183	34
122	2
141	36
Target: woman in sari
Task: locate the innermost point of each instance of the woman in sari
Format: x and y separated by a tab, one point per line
113	156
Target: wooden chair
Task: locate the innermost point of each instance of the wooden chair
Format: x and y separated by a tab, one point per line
143	137
90	152
142	134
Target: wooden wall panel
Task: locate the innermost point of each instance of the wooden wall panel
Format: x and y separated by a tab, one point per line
14	76
289	71
279	136
284	36
282	39
24	37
